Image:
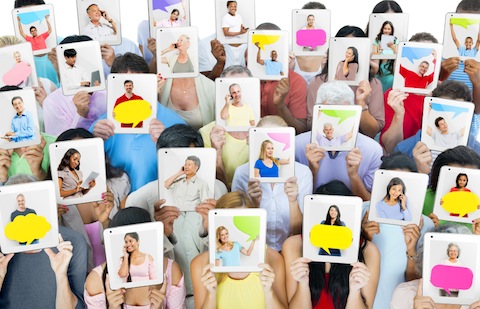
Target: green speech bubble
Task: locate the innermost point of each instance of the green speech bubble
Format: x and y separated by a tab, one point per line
464	22
342	114
250	225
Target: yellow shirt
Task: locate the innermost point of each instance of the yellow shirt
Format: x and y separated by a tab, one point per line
240	116
240	294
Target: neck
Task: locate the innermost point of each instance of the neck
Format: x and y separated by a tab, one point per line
20	113
96	23
129	95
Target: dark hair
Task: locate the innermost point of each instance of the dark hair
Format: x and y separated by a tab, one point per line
387	5
16	98
75	39
9	88
458	177
460	155
129	62
379	35
127	81
228	3
398	160
423	36
334	187
355	54
328	219
175	10
66	159
88	8
470	6
32	27
395	182
22	3
312	5
69	53
134	235
453	90
437	120
179	135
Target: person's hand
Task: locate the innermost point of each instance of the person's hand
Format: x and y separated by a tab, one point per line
291	60
369	228
420	301
161	81
403	201
5	162
217	137
435	219
18	17
349	58
300	270
362	93
165	214
125	252
40	93
52	56
422	157
4	259
218	51
267	277
254	190
85	84
257	44
156	129
314	155
203	208
411	234
59	261
353	159
104	129
475	305
208	279
108	54
34	157
243	29
395	101
448	66
82	103
281	91
291	189
115	298
359	276
434	53
61	210
47	16
104	207
92	184
472	68
157	296
152	46
476	226
227	98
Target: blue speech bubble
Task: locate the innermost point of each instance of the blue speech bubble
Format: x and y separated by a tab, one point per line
31	17
162	4
414	53
448	108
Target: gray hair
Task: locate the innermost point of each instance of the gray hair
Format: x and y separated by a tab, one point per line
272	121
327	124
195	160
335	93
236	69
20	178
452	244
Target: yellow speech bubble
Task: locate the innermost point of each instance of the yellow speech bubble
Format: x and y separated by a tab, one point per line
464	22
331	237
460	202
26	229
133	111
264	39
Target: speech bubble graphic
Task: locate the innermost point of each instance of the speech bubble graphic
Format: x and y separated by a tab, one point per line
133	111
464	22
311	38
26	229
31	17
449	277
447	108
283	138
19	73
250	225
162	4
460	202
414	53
331	237
264	39
342	114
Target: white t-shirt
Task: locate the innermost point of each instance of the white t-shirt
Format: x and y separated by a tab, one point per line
233	23
449	140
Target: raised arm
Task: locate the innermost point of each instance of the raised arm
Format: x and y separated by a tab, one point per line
224	111
454	36
20	29
168	183
259	60
184	11
48	24
250	248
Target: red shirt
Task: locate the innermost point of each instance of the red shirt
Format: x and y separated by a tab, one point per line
124	98
325	301
413	80
38	42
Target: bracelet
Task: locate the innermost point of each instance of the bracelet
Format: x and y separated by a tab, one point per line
365	108
410	257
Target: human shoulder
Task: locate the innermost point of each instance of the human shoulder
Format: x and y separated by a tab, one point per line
93	283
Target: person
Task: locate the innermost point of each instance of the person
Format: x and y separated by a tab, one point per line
173	20
23	128
386	29
22	210
97	29
329	140
37	41
443	138
461	186
267	164
70	176
332	218
453	253
171	294
419	79
19	66
237	113
228	252
272	67
310	26
73	76
395	204
468	50
232	23
135	265
347	69
127	96
180	62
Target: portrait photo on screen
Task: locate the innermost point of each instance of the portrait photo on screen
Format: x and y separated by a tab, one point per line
17	67
142	241
78	170
417	67
349	60
446	123
100	20
177	51
458	194
335	127
81	67
331	228
28	217
36	25
237	103
268	54
450	268
18	119
131	101
385	32
237	239
186	176
272	153
310	32
397	197
462	36
233	20
168	14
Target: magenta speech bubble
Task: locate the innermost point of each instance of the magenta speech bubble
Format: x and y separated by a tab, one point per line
283	138
451	277
311	38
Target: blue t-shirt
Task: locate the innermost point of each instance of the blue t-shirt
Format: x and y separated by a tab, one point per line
462	51
266	171
230	258
273	67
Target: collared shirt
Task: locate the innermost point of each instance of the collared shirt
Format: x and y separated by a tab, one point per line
167	23
102	32
23	127
72	77
189	193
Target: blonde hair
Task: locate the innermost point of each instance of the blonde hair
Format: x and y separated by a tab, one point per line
237	199
262	151
219	243
272	121
7	40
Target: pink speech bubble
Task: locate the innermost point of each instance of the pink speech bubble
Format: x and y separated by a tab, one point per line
451	277
311	38
283	138
16	75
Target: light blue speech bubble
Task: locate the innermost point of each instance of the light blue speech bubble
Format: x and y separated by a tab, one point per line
414	53
447	108
31	17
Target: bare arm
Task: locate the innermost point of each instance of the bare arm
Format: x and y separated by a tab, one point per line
20	29
204	282
281	92
224	111
65	193
454	36
123	271
250	248
274	270
259	60
394	134
168	183
256	172
284	161
48	24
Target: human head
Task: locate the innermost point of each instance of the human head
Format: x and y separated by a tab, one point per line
179	135
236	92
468	42
387	6
192	165
423	67
70	134
398	161
335	93
468	6
461	181
70	55
21	203
387	28
17	56
221	236
453	250
71	159
128	86
237	199
94	13
441	125
395	182
7	40
33	31
23	3
232	7
334	187
333	213
272	121
328	130
313	5
274	55
423	37
351	50
236	71
266	150
453	90
350	31
268	26
174	15
129	63
18	106
183	42
131	241
310	20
